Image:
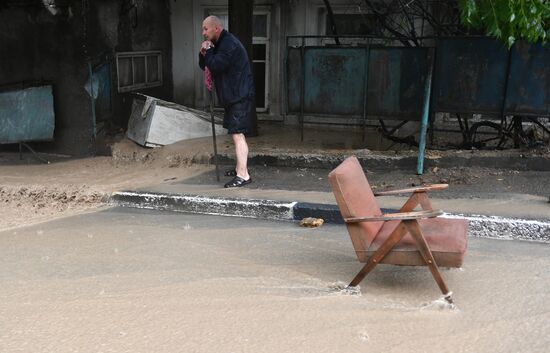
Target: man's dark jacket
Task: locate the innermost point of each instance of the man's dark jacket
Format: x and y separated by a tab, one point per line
230	68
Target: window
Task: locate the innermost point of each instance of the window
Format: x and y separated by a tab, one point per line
260	59
137	70
354	24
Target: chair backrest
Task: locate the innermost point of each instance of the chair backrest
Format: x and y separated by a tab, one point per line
355	199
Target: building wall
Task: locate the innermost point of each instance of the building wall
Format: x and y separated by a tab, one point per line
287	17
38	46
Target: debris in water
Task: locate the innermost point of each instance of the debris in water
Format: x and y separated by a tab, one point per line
311	222
343	288
363	336
439	304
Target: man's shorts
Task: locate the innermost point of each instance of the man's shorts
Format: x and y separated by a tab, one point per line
237	117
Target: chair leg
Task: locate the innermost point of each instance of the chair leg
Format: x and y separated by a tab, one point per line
410	204
416	232
375	259
415	199
424	201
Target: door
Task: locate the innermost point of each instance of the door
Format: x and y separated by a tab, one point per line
260	54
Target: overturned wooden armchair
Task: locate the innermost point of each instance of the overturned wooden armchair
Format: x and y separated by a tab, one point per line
407	238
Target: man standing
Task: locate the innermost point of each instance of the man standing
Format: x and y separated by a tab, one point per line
223	55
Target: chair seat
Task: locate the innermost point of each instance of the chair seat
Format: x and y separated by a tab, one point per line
447	239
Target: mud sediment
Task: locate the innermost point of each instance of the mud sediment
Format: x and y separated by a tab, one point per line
25	204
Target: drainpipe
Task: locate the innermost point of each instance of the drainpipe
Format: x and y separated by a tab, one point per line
92	100
85	10
424	122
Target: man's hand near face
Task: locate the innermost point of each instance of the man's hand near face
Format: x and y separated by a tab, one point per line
205	46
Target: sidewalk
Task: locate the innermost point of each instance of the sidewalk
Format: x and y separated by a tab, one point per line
504	194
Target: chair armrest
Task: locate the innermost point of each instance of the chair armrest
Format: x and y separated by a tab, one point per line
401	216
423	188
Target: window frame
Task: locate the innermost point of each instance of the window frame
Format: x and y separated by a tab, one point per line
337	9
265	41
350	15
139	54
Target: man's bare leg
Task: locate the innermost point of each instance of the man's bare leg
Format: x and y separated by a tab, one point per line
241	152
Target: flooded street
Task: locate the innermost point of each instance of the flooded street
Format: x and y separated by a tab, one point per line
125	280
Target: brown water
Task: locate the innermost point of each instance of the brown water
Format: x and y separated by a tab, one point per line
133	281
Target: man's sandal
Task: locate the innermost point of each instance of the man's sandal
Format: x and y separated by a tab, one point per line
230	172
237	182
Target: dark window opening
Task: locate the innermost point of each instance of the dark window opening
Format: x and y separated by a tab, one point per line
354	24
259	25
259	83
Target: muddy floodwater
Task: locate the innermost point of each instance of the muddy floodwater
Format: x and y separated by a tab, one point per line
139	281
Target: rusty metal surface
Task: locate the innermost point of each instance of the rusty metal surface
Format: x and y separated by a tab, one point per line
293	79
396	82
473	76
335	81
470	75
529	80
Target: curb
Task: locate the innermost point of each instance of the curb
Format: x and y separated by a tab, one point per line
482	226
265	209
377	162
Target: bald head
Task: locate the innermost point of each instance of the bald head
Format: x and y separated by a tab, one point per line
214	20
212	27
